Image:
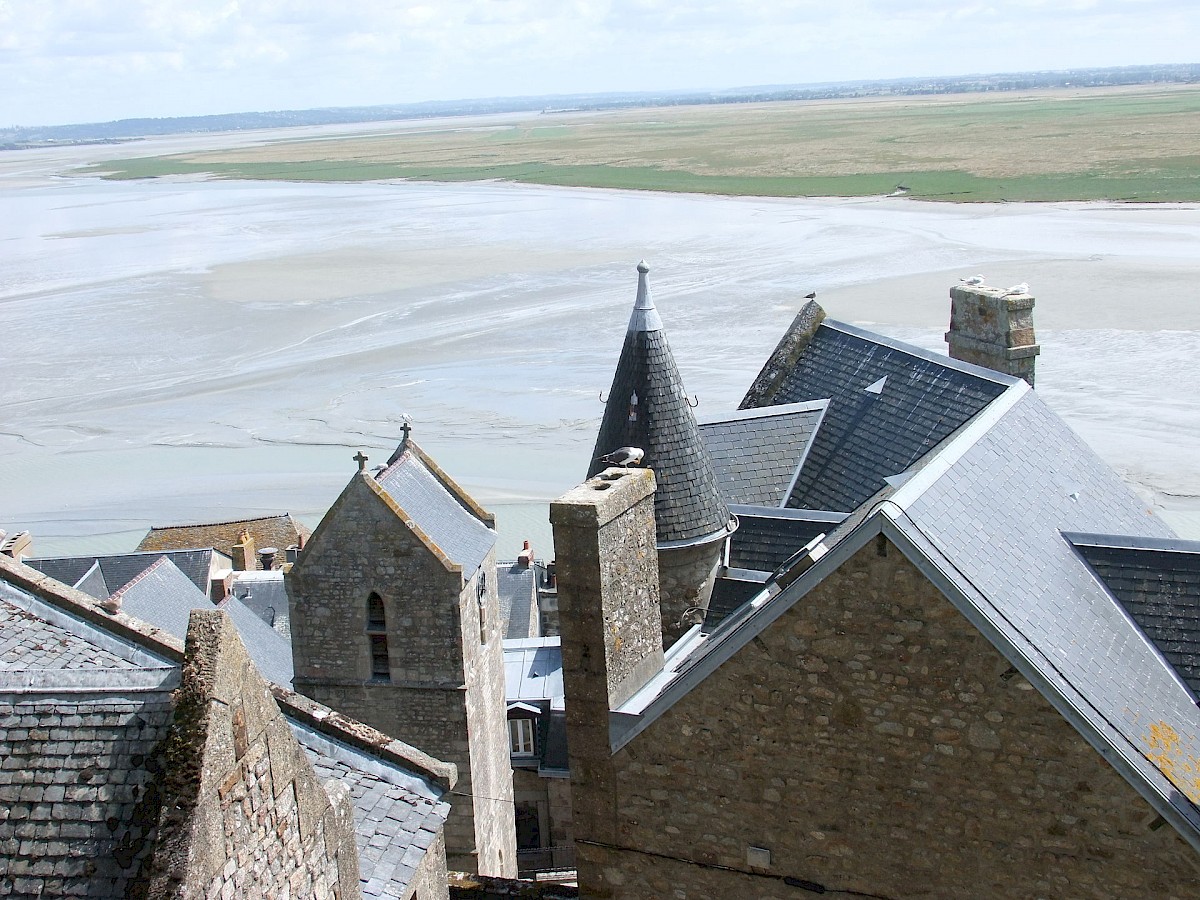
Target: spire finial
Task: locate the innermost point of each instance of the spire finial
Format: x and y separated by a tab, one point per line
361	459
645	316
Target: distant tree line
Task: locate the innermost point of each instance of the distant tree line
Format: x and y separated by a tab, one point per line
16	138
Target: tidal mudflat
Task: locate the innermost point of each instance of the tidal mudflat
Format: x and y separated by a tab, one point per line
187	350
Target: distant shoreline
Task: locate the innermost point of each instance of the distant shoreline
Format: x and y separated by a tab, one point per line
1117	144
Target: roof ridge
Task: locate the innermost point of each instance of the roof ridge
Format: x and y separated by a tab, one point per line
763	412
456	491
937	462
286	515
331	723
83	606
920	352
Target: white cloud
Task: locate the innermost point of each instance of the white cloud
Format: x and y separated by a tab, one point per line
78	60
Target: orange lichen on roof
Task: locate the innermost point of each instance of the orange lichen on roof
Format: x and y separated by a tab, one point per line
1165	750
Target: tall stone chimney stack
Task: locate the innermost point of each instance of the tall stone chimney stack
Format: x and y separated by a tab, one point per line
993	328
611	626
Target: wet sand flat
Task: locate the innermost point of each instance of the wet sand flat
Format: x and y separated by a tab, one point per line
197	350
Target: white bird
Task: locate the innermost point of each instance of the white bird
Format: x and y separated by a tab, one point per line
1021	288
973	280
623	456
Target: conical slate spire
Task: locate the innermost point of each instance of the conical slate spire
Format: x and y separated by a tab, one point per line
648	408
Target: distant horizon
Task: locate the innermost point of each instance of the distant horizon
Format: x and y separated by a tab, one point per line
65	62
515	103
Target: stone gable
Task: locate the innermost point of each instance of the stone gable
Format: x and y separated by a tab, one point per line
870	740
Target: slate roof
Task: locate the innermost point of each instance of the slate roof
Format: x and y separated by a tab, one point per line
868	435
118	569
397	815
647	407
441	514
280	532
265	595
80	713
517	592
1158	584
729	594
766	538
984	519
757	454
164	597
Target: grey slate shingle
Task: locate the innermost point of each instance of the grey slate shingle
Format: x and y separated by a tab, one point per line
1158	584
756	454
866	437
647	407
456	531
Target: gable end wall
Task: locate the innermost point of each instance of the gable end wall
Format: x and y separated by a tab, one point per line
872	740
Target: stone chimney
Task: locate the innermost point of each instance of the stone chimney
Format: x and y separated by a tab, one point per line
608	588
611	624
993	328
243	554
525	557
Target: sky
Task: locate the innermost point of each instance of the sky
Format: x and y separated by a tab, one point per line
67	61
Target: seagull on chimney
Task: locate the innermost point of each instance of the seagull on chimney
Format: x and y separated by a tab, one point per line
624	457
1021	288
973	280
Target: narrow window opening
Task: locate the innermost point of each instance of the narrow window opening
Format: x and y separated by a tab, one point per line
381	665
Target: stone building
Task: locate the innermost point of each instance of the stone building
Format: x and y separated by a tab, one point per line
253	544
135	764
978	678
395	621
648	408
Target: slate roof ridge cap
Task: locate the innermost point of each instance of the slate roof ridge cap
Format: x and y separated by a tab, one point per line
456	490
78	605
285	515
920	352
123	555
763	412
157	564
410	523
790	513
1131	542
362	737
936	463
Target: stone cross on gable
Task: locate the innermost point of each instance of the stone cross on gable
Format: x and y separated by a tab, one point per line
405	428
361	459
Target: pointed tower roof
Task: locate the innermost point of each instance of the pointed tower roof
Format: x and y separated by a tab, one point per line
647	407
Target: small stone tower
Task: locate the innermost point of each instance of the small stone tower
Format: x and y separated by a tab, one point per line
648	408
994	329
396	622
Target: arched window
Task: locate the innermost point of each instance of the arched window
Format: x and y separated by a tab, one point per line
381	668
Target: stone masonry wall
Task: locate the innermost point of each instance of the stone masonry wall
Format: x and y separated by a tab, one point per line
870	740
446	690
611	630
243	813
429	882
685	580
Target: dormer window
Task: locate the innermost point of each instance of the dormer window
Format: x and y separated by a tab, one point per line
381	665
521	737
